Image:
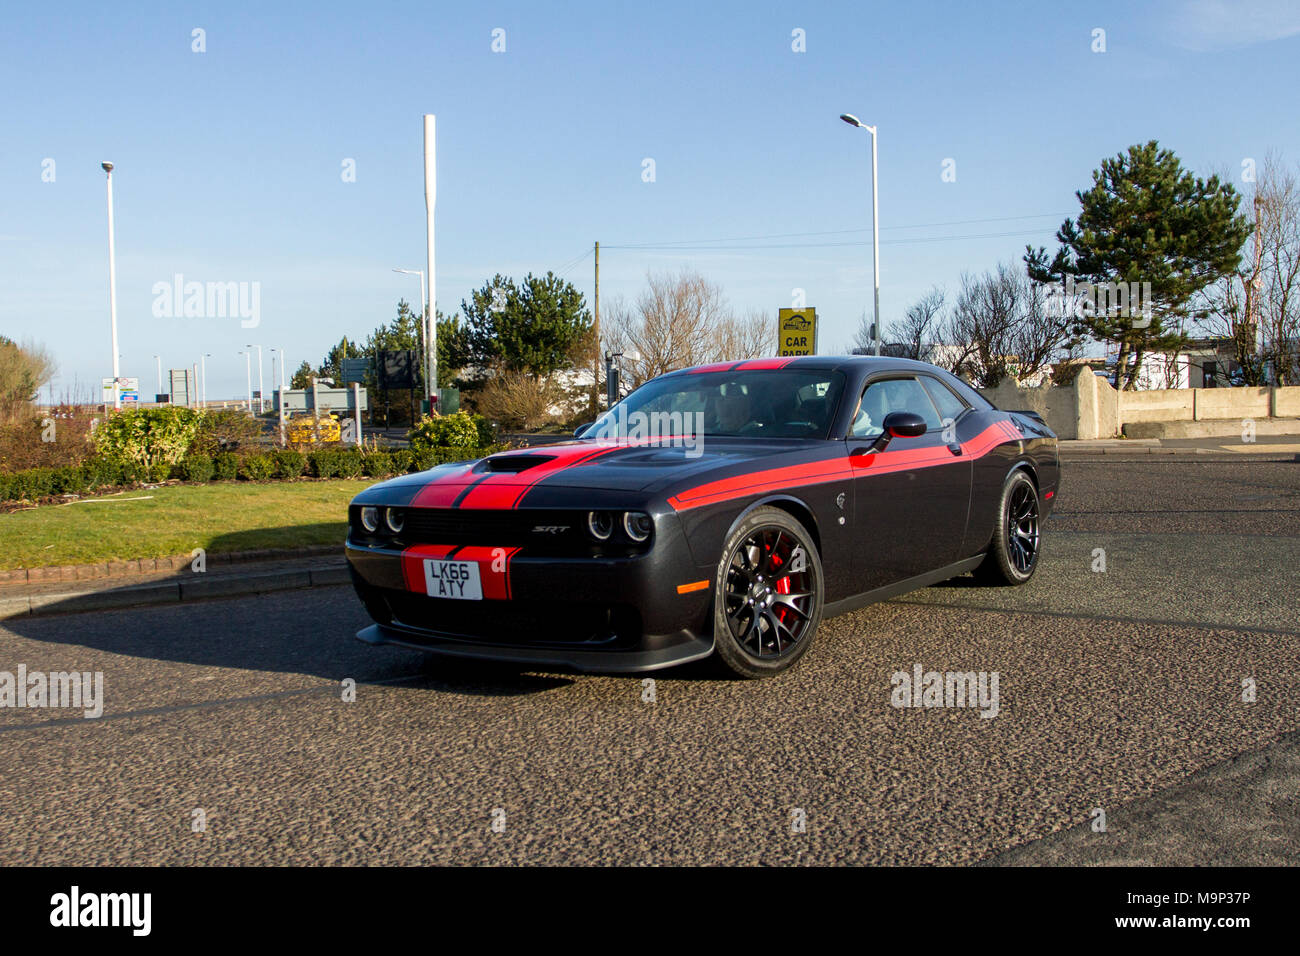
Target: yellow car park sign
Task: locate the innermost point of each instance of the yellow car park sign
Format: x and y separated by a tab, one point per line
796	332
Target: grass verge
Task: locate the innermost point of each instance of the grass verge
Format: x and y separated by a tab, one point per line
174	519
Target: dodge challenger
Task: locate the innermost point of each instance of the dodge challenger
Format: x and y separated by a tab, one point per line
721	510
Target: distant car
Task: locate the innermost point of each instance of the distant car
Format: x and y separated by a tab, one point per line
784	491
307	428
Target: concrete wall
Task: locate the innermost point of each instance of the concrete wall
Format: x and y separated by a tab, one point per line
1235	403
1092	408
1164	405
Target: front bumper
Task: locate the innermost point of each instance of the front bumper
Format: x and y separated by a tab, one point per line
616	614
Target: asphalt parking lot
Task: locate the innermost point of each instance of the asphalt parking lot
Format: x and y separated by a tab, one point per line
1121	690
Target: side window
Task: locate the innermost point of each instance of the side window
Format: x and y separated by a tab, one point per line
892	395
949	405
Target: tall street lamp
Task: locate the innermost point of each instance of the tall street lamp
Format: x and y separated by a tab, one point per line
248	365
261	387
158	359
203	389
875	222
112	285
282	362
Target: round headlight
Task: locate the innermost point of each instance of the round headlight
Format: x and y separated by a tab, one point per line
394	519
637	525
370	519
600	524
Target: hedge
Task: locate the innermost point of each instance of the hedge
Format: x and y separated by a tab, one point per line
36	483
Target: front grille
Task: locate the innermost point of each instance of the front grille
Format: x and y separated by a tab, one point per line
563	532
519	623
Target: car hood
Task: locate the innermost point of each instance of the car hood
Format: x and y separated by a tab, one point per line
588	468
642	466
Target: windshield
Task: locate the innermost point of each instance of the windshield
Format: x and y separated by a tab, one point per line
755	404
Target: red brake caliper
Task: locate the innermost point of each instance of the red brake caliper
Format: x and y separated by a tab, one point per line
782	587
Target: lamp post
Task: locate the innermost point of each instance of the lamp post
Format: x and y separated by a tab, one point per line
875	223
158	359
203	389
261	387
248	365
431	303
112	285
282	363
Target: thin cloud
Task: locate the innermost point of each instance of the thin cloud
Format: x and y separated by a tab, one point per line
1208	25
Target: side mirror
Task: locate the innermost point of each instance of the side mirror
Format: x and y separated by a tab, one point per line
896	425
904	425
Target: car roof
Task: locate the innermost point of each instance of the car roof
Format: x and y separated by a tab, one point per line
857	363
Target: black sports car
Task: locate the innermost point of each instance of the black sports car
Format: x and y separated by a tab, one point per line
722	510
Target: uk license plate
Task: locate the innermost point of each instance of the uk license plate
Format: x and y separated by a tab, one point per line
458	580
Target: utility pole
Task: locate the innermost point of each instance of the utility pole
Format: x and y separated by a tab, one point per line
595	372
112	285
430	202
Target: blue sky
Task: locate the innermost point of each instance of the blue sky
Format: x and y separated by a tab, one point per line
229	162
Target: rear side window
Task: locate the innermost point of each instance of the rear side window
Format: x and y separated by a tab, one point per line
949	405
973	398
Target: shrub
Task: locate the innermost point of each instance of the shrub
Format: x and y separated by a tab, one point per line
225	465
461	430
520	400
148	437
57	436
197	468
225	430
376	464
101	473
401	461
425	458
256	468
288	463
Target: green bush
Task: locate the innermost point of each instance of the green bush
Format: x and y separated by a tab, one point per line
289	463
425	458
376	464
225	430
225	465
149	438
36	483
197	468
101	473
256	468
487	435
461	430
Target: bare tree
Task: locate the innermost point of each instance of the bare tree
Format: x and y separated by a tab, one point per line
1002	326
916	332
1258	306
679	321
752	335
24	370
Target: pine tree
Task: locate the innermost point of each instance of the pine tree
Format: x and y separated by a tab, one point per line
1146	220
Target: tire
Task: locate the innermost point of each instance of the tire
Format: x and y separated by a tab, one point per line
1013	553
760	567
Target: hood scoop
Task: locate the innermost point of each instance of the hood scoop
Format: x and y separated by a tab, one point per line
511	464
